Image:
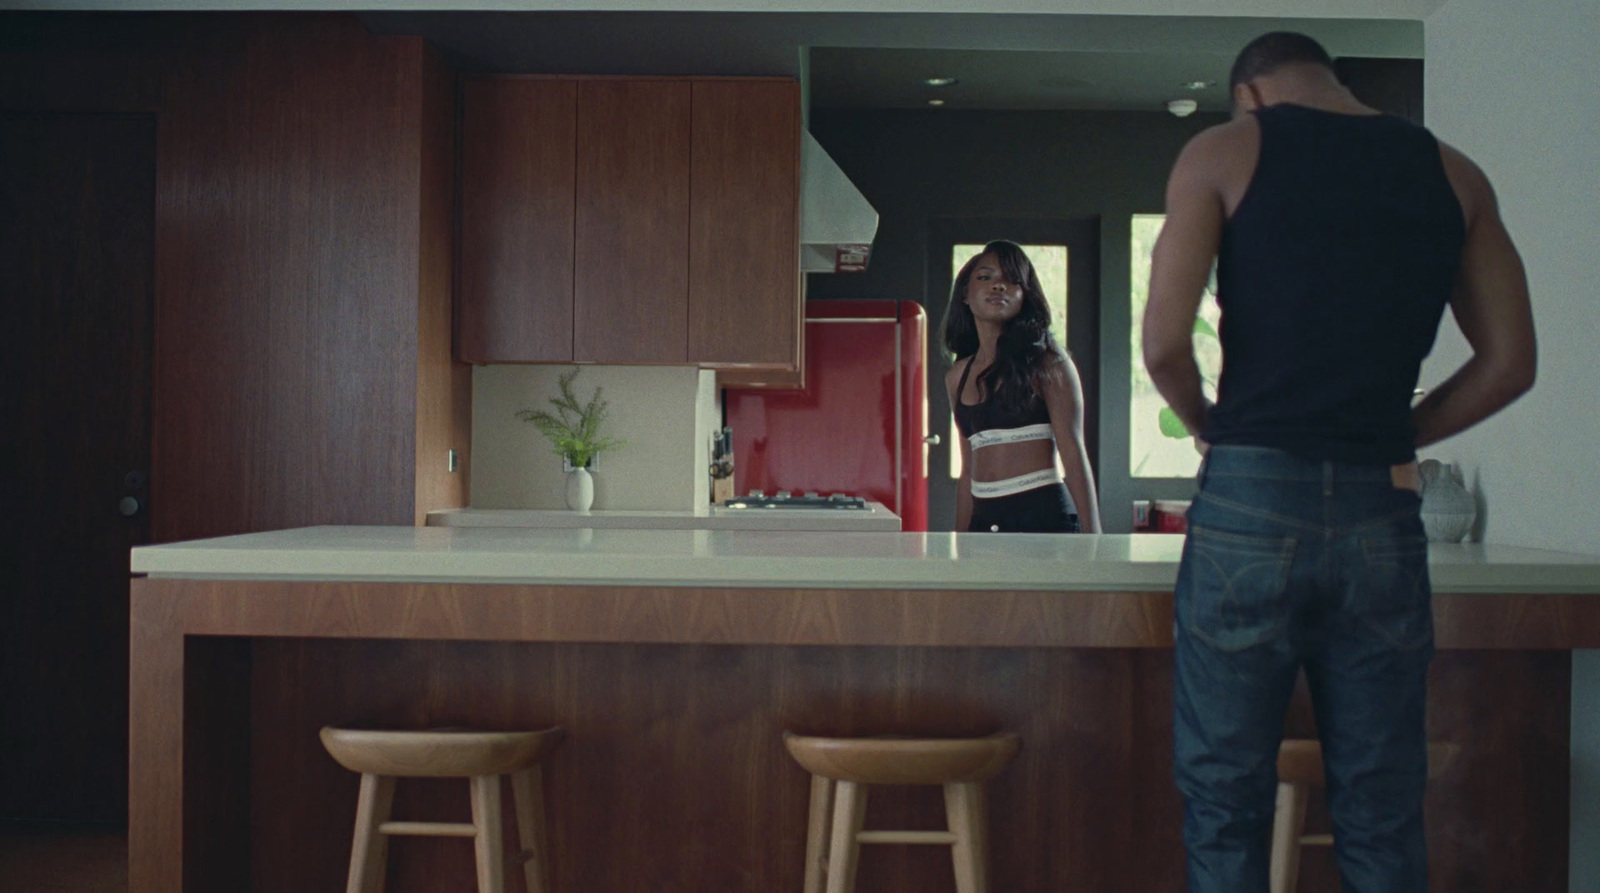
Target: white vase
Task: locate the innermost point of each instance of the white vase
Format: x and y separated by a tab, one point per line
1448	508
580	490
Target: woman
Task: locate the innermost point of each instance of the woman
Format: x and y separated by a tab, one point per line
1017	401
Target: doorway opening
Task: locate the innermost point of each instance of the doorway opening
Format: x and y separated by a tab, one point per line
1065	252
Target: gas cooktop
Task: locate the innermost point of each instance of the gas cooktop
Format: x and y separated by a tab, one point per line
783	500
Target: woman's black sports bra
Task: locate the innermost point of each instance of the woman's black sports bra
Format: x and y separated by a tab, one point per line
987	423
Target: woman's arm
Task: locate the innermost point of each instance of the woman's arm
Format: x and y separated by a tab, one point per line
963	486
1063	397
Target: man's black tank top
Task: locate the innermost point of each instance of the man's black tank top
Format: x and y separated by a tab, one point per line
1332	276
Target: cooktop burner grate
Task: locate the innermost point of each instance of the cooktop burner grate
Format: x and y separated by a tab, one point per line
787	501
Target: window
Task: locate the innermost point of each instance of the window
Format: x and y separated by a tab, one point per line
1050	263
1158	447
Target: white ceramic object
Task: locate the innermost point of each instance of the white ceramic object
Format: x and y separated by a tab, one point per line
1448	508
580	490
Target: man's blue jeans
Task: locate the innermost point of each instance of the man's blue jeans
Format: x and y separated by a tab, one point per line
1293	564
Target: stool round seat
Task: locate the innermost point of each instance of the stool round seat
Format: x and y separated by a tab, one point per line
843	769
904	761
439	753
1300	761
483	759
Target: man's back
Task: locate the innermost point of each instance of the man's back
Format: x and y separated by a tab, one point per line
1333	270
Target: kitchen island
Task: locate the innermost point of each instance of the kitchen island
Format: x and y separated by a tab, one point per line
675	658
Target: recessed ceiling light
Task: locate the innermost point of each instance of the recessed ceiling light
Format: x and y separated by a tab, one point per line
936	102
1197	85
940	82
1182	108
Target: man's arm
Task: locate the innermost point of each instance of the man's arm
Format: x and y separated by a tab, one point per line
1491	307
1180	266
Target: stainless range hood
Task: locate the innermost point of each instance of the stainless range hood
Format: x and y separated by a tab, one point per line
837	224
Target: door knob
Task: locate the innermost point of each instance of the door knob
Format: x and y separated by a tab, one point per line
931	440
129	506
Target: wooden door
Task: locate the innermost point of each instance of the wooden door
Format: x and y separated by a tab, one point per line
77	206
631	275
517	169
744	220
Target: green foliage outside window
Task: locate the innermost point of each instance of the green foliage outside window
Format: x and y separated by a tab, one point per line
1158	444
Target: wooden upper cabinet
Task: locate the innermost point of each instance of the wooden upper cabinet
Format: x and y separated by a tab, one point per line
744	224
631	273
630	220
518	165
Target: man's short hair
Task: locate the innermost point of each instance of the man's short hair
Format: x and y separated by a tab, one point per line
1271	51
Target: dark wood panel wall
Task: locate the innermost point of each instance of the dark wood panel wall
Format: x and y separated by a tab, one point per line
300	369
295	311
304	268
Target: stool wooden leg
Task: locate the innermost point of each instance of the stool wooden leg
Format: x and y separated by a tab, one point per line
817	833
1288	820
370	850
844	851
527	795
489	847
963	806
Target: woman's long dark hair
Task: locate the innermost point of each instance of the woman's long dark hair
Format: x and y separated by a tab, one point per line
1025	343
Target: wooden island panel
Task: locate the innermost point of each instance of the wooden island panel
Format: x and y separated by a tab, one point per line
673	777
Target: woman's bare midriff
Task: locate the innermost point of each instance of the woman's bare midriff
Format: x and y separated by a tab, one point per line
1009	460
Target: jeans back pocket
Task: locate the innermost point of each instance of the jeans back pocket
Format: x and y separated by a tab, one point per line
1233	589
1390	590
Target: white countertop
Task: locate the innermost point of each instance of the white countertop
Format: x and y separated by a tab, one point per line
776	559
875	517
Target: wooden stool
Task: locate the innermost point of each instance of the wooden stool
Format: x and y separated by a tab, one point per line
1299	770
841	768
482	757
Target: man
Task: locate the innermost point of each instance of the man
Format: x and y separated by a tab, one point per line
1339	235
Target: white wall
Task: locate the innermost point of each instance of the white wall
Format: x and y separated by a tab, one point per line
1509	84
666	415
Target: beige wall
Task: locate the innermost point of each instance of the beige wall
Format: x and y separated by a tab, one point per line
666	415
1508	88
1508	84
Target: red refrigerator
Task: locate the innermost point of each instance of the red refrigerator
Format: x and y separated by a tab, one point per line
859	426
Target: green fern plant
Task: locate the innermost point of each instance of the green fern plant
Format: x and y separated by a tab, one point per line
574	428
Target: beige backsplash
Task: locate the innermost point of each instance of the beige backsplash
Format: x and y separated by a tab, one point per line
665	413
